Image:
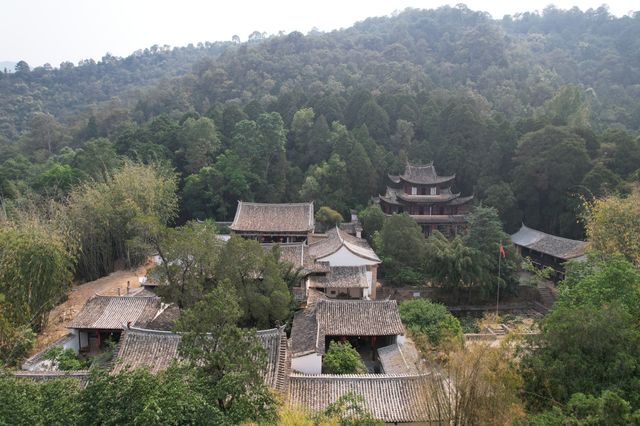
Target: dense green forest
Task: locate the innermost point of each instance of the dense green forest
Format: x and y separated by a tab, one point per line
531	112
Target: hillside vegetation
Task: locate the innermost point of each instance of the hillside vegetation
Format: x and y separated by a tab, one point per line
532	112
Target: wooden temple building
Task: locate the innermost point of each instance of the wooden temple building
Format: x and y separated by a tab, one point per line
546	250
427	198
274	223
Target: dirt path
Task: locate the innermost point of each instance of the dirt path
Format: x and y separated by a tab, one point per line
62	314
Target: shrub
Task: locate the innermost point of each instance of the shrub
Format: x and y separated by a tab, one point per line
342	358
65	359
430	319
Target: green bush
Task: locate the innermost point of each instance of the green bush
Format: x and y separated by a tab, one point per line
342	358
430	319
66	359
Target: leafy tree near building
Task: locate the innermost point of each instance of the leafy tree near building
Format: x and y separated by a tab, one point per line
36	270
486	237
225	359
613	225
452	265
590	342
198	141
372	219
102	215
29	402
327	183
402	247
188	258
433	320
16	340
548	162
258	279
328	217
342	358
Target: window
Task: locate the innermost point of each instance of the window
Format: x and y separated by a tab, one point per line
433	190
414	190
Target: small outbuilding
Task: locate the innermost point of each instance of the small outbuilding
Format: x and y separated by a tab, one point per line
367	324
547	250
103	318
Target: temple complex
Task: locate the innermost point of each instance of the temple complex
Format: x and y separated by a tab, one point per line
427	198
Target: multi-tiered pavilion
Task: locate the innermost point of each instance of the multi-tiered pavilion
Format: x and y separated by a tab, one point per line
427	198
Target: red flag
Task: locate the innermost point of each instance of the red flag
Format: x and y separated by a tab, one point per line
502	252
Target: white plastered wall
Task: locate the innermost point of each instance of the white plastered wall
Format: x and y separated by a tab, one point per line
345	257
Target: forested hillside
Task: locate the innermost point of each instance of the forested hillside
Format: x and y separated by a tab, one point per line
531	112
70	89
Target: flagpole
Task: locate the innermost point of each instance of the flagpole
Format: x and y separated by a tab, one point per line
498	292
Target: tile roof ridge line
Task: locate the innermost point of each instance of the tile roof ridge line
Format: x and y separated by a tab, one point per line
252	203
277	330
339	235
122	296
348	245
551	235
365	376
269	330
151	331
163	307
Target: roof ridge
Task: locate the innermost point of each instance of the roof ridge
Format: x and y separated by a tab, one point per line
141	330
124	296
363	301
366	376
306	203
551	235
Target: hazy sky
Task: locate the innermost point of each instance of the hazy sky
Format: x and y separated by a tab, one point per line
40	31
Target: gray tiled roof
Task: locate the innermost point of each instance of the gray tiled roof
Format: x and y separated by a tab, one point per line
440	198
359	318
274	218
562	248
390	398
342	277
151	349
81	375
328	317
304	332
165	319
422	174
337	239
401	359
115	312
275	344
299	256
156	350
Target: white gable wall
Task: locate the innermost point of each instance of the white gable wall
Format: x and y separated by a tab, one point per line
344	257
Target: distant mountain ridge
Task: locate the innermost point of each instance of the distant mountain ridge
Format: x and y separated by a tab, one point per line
514	64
